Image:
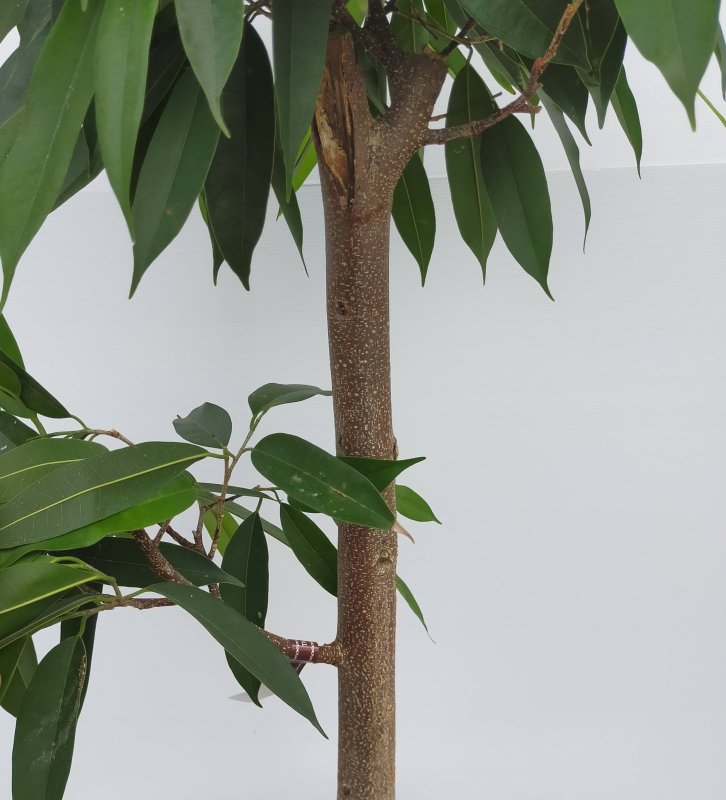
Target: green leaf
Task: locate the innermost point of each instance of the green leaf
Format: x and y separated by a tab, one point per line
122	559
32	394
11	13
85	629
22	466
27	621
13	432
407	595
122	60
517	187
305	162
288	205
410	34
246	558
213	490
311	547
573	155
320	480
173	172
626	111
380	473
245	642
529	26
58	97
564	87
720	51
278	394
87	491
299	40
238	183
46	728
678	36
211	31
414	214
243	513
469	101
166	59
411	505
208	425
18	663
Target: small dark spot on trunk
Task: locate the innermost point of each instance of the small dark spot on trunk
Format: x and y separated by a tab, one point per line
341	309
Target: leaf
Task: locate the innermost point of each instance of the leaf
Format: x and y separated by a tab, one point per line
211	31
573	155
58	97
238	183
320	480
305	162
380	473
13	432
122	559
46	728
228	527
122	60
278	394
88	491
11	13
410	34
678	36
208	425
299	40
720	51
517	187
244	641
469	101
173	172
626	111
407	595
33	395
564	87
529	26
413	506
246	558
243	513
18	663
25	464
288	205
214	490
85	629
311	547
414	214
166	59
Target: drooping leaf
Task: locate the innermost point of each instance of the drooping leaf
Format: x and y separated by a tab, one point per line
211	31
380	473
565	88
246	558
529	26
305	161
413	213
720	51
11	13
32	394
678	36
410	504
228	526
208	425
85	629
15	75
410	34
213	490
299	36
626	111
238	183
469	101
22	466
573	155
28	620
288	205
517	187
166	60
46	728
312	547
173	172
122	58
411	601
87	491
245	642
13	432
320	480
18	663
243	513
58	97
278	394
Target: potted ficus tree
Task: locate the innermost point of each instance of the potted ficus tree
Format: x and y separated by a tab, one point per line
191	102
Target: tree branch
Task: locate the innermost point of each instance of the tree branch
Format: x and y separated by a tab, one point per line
153	555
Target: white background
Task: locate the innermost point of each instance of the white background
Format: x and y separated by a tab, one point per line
576	454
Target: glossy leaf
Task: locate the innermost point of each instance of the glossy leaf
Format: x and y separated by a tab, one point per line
238	183
208	425
517	187
58	97
311	547
626	111
243	513
213	490
18	663
28	620
410	504
22	466
288	205
320	480
245	642
411	601
278	394
85	629
11	13
246	558
87	491
299	38
173	172
413	213
32	394
13	432
211	31
529	26
166	60
46	727
565	88
122	59
469	101
678	36
380	473
409	33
